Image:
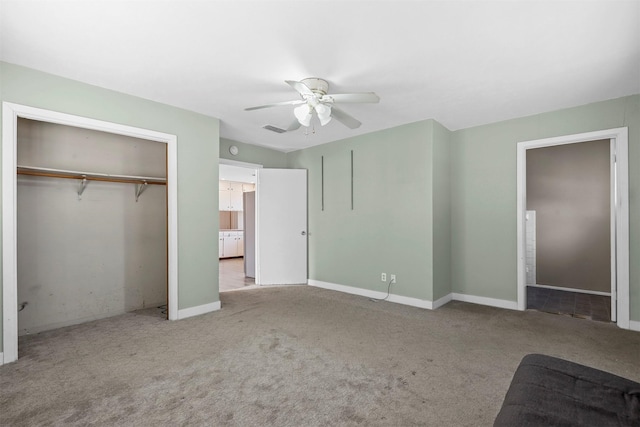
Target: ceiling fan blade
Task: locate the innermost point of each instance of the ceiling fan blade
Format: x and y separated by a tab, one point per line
344	118
294	125
369	97
276	104
302	88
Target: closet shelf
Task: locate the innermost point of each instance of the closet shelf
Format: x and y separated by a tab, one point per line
141	182
60	173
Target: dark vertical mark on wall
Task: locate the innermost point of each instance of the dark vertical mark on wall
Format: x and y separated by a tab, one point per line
351	179
322	182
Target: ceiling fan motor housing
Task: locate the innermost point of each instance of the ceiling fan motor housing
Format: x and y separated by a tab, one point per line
317	86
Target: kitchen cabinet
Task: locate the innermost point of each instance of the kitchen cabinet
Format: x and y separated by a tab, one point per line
230	196
231	244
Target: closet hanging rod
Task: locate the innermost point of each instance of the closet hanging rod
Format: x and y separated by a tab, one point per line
60	173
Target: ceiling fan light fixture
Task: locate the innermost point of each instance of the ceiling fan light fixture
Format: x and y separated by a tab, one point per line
303	114
324	113
314	95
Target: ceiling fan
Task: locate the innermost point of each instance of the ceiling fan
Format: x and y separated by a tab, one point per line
315	98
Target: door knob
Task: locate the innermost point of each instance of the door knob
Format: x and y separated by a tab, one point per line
304	233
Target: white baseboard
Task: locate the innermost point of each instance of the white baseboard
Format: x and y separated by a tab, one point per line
198	310
414	302
442	301
492	302
634	325
1	359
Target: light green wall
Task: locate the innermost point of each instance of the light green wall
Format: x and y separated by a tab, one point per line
439	208
198	145
434	207
483	193
391	227
441	167
253	154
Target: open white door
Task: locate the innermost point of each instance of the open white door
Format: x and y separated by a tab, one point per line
281	217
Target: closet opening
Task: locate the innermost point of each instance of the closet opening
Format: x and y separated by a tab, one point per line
91	225
89	221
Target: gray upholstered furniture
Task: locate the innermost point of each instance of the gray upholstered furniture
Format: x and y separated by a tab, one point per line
547	391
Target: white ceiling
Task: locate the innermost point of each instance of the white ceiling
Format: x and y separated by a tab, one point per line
462	63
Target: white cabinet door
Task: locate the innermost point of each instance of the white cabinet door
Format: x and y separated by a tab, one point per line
235	186
235	197
240	240
230	246
224	200
230	196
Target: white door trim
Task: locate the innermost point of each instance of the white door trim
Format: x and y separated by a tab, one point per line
239	164
10	114
619	210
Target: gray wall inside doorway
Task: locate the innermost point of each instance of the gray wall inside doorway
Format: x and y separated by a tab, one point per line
569	188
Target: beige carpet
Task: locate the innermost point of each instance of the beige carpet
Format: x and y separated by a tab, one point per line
295	356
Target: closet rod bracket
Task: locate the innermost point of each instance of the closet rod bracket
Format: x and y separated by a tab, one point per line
82	186
140	189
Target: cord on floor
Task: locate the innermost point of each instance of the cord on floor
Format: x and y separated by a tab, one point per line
163	307
388	290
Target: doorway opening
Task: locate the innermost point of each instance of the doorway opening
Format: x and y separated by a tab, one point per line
590	279
275	239
237	231
11	114
568	230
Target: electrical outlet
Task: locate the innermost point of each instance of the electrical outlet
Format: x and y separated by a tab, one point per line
393	278
383	277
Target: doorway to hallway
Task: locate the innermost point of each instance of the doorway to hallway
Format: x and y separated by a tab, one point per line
618	219
569	229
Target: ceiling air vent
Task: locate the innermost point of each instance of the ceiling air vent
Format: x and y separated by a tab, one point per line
274	129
